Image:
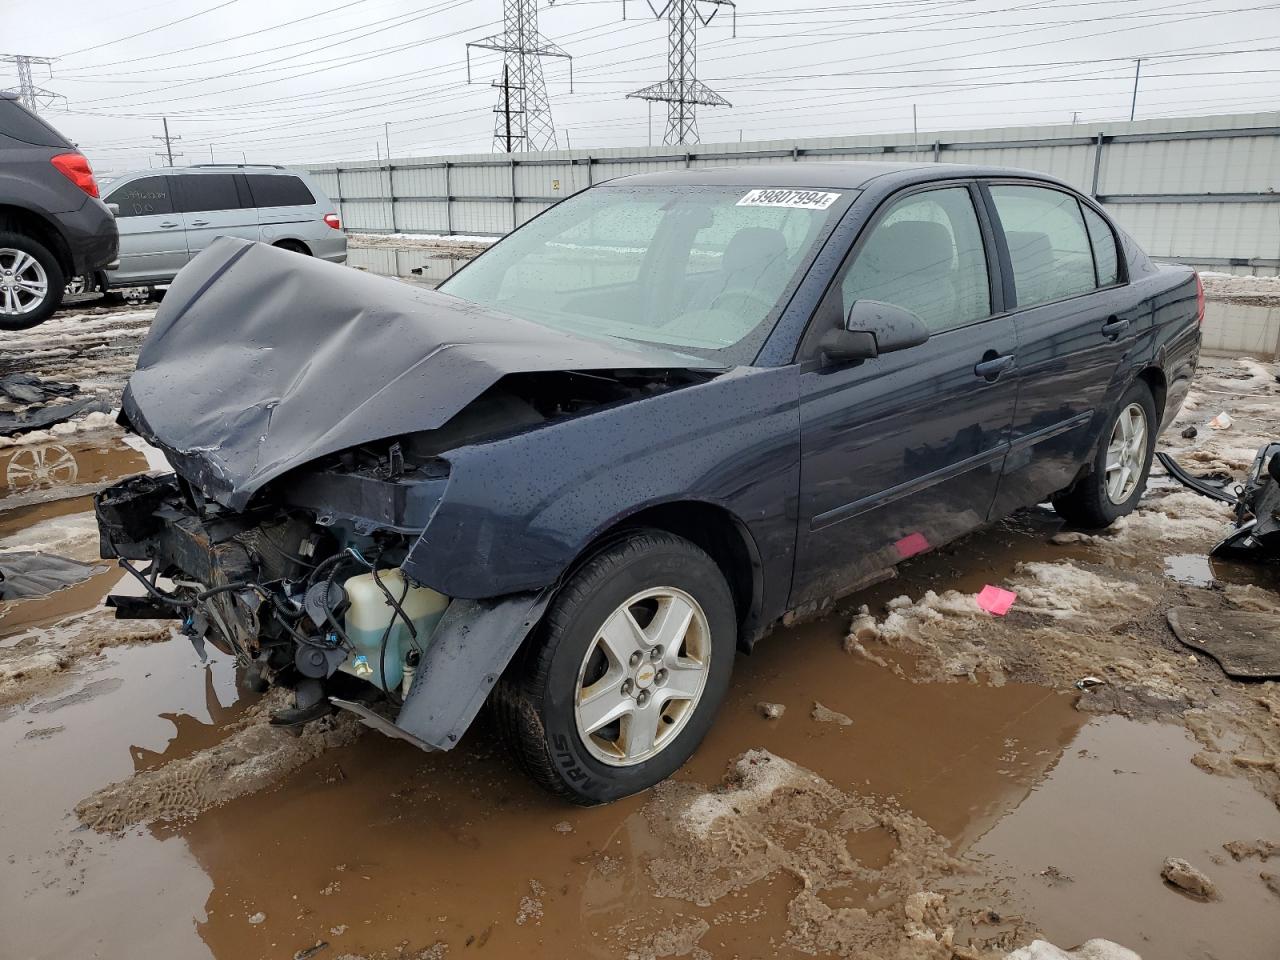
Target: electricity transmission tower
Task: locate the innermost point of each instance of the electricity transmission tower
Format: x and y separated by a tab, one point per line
682	91
169	141
32	97
523	120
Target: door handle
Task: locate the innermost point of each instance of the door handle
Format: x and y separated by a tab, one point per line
1114	327
199	223
168	224
993	364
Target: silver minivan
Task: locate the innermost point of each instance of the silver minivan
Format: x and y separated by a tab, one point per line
168	215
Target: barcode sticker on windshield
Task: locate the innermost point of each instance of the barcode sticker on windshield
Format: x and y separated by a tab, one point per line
804	199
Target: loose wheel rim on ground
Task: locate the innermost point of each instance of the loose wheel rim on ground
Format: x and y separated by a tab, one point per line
1126	453
23	283
642	676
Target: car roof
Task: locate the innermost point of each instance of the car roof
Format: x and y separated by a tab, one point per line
841	175
204	168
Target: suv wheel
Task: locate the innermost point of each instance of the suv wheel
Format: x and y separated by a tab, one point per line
624	677
1118	476
31	282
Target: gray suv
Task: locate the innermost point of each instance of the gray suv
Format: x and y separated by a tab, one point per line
52	223
166	216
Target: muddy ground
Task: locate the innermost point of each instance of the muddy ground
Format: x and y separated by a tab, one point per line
936	786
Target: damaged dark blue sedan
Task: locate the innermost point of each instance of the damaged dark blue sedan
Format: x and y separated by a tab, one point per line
629	439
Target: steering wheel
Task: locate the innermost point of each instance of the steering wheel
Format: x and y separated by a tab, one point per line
745	298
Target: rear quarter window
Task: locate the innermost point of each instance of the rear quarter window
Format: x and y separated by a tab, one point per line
273	190
1104	248
18	122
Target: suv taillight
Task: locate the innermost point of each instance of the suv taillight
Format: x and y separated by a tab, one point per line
76	168
332	220
1199	301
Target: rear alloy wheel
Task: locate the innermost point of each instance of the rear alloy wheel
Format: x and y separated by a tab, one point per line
622	680
31	282
1118	476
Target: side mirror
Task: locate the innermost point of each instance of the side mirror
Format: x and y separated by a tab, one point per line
873	328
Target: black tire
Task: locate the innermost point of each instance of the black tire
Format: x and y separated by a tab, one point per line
1086	503
534	701
54	277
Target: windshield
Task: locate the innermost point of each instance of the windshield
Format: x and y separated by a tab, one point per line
704	270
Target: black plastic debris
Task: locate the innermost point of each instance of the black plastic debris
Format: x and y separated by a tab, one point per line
1256	502
1246	645
27	388
28	574
41	418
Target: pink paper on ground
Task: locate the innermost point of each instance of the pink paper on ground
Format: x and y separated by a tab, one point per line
912	544
996	600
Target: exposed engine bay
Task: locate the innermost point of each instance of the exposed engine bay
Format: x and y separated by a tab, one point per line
304	586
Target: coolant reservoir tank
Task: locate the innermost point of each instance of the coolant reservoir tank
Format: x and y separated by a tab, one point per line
369	615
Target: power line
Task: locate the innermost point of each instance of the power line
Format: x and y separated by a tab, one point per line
150	30
682	91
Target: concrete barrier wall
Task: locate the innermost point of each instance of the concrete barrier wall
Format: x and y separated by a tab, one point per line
1198	190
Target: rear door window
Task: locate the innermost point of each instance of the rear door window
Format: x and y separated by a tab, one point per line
145	197
276	190
1048	244
208	191
18	122
1104	247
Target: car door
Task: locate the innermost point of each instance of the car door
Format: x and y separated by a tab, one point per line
902	453
213	205
1075	320
153	244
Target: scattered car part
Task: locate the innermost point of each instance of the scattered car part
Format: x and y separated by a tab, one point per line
1245	644
25	574
27	388
40	418
1256	503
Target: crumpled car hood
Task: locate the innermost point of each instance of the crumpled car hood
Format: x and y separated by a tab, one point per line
261	360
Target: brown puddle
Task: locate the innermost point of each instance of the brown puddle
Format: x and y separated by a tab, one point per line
1123	798
46	471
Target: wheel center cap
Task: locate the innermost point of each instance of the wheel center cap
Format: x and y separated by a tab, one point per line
645	675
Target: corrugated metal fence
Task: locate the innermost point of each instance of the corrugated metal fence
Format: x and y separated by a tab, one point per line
1200	190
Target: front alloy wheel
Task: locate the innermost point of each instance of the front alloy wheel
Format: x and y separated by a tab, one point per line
643	675
618	685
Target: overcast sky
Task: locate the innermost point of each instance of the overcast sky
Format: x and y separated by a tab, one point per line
291	81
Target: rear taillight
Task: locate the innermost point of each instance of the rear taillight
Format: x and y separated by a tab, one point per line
332	220
76	168
1199	301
